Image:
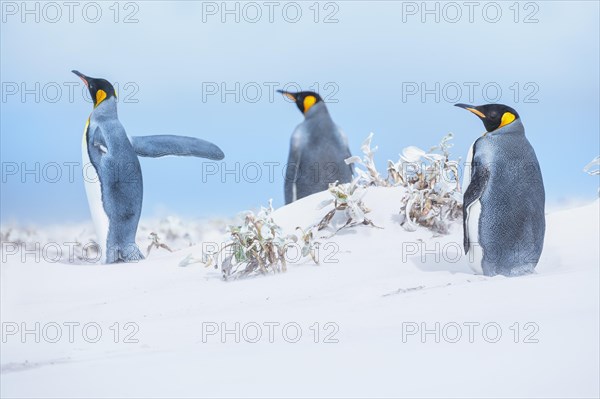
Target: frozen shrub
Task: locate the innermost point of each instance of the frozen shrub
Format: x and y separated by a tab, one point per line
433	198
257	246
593	169
347	198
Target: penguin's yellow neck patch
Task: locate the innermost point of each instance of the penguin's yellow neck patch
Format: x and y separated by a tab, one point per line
309	101
507	118
100	96
85	129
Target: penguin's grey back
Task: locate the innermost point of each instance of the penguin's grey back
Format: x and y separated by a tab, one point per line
322	149
120	178
512	221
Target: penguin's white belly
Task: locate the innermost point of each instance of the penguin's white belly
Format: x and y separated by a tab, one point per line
93	190
475	255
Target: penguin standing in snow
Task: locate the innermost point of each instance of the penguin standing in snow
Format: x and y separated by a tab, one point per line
503	205
112	173
318	150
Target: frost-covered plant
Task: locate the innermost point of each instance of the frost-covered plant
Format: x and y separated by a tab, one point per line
593	168
432	196
257	246
155	242
76	243
308	243
178	233
70	246
347	198
370	176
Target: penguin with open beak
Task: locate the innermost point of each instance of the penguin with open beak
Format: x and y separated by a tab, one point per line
504	198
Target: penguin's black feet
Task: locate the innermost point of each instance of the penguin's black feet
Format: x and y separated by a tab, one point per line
131	253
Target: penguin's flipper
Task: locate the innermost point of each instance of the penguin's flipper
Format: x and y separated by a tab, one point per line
99	141
479	178
163	145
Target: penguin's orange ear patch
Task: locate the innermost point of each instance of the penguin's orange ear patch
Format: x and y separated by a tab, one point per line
309	101
100	96
507	118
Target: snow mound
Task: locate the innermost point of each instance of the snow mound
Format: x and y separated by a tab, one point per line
387	312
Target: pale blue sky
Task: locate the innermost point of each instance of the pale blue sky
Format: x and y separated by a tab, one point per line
172	56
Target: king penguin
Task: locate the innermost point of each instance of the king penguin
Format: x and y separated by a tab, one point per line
318	150
504	198
112	172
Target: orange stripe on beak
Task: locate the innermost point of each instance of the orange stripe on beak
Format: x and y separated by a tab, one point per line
476	112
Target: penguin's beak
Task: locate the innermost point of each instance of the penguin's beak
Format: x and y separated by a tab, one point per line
474	109
82	77
287	94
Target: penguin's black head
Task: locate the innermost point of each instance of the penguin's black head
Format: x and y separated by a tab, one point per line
100	89
493	116
303	99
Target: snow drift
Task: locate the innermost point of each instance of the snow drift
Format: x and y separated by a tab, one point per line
387	312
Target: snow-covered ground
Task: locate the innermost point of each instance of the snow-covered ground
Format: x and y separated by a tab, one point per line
386	313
